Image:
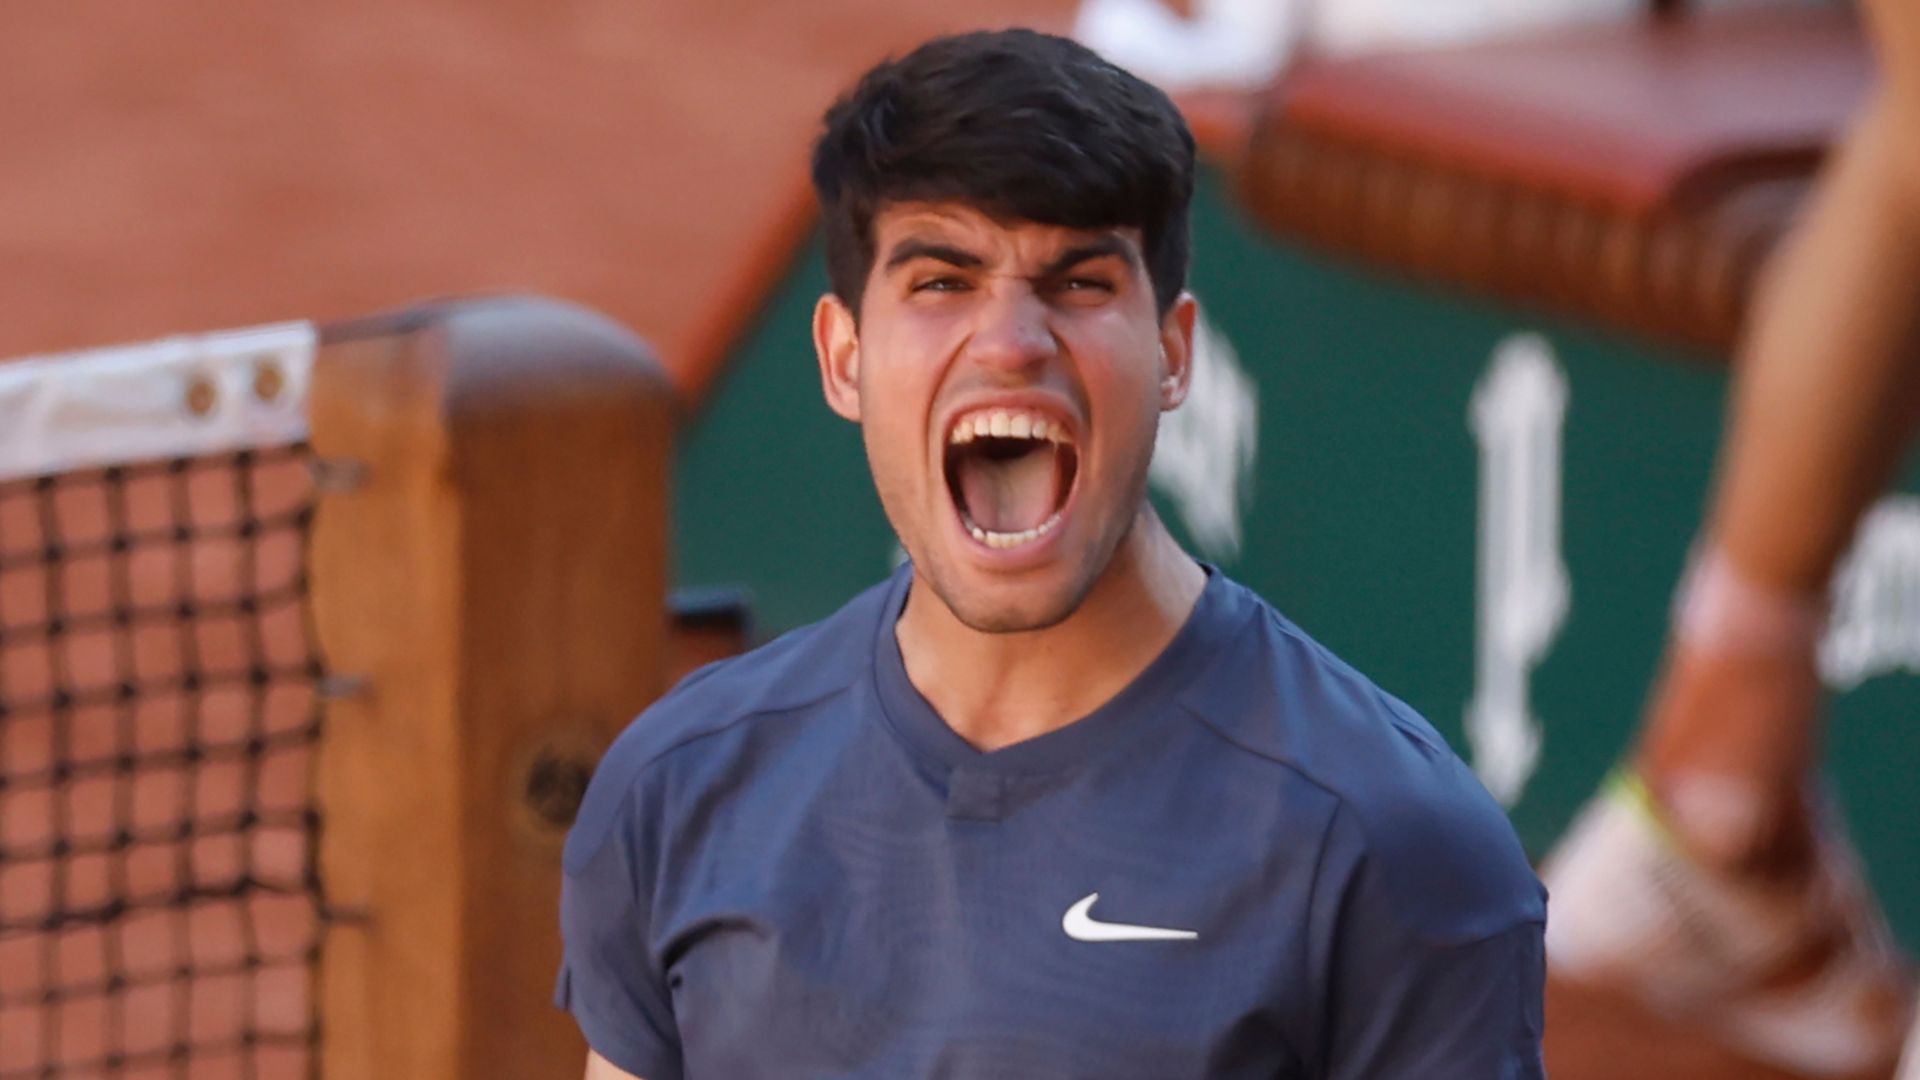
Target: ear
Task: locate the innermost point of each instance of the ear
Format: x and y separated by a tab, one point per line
836	340
1176	351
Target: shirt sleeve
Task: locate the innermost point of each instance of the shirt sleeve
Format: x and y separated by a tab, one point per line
1439	976
1470	1011
609	978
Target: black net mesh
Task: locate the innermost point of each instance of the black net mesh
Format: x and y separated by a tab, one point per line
160	914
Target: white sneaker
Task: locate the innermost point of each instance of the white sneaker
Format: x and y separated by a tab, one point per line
1629	909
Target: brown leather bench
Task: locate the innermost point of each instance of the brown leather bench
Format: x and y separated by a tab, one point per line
1634	173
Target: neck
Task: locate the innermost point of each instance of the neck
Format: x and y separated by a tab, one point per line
998	689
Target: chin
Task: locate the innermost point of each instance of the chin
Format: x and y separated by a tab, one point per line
1011	619
1005	606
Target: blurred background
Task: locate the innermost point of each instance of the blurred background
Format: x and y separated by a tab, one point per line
1471	275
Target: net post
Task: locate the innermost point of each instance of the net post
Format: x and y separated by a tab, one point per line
490	585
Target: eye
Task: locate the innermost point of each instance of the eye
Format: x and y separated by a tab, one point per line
943	283
1085	289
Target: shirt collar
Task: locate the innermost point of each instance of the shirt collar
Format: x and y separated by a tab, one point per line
1145	702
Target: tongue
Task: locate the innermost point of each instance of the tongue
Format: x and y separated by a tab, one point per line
1008	496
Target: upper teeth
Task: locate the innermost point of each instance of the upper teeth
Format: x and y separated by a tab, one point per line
1007	424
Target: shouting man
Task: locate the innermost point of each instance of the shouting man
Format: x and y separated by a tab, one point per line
1055	800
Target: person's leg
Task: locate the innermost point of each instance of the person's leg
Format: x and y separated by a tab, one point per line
1707	877
1824	406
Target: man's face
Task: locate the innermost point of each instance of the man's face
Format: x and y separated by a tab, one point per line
1008	378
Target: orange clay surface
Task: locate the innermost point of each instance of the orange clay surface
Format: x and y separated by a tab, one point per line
1592	1035
197	165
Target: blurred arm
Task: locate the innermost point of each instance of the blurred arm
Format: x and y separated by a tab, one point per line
1826	398
1825	401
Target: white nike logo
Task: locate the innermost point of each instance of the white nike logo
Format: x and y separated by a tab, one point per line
1080	926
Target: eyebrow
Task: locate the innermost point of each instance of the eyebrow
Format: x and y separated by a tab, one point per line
910	249
1104	247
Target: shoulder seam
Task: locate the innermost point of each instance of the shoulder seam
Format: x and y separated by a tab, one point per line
729	725
632	786
640	771
1389	703
1291	766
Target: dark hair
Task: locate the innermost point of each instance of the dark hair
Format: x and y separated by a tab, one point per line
1018	124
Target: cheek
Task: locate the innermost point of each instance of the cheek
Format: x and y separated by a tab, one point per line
895	400
1124	386
901	370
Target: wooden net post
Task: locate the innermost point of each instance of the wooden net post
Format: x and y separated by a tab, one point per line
488	562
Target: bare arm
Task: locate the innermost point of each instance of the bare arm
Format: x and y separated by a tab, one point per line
599	1068
1827	395
1825	403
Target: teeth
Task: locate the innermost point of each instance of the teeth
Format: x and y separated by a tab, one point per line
1007	425
1010	540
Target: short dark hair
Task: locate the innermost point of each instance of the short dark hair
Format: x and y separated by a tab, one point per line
1018	124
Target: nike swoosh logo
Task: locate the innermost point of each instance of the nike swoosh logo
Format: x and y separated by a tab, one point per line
1080	925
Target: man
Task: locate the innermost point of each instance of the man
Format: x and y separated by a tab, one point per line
1708	879
1054	800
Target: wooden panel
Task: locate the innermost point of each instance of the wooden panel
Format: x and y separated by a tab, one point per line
489	586
560	442
384	562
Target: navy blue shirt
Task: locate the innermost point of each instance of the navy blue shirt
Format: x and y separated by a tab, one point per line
791	867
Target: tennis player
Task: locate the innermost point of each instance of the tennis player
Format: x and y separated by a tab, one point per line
1054	800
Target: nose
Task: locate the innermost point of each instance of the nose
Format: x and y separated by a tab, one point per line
1011	332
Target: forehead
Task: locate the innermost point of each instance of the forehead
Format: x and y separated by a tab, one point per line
968	228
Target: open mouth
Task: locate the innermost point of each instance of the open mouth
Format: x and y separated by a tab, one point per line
1010	472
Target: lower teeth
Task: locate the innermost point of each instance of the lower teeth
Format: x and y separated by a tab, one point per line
1007	540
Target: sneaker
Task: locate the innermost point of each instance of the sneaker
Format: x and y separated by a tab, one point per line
1802	975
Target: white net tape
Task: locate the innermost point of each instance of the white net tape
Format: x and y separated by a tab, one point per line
174	398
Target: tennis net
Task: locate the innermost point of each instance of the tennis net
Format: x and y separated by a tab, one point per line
309	639
160	905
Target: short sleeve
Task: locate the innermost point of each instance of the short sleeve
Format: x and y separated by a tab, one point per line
1457	996
1471	1011
609	979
